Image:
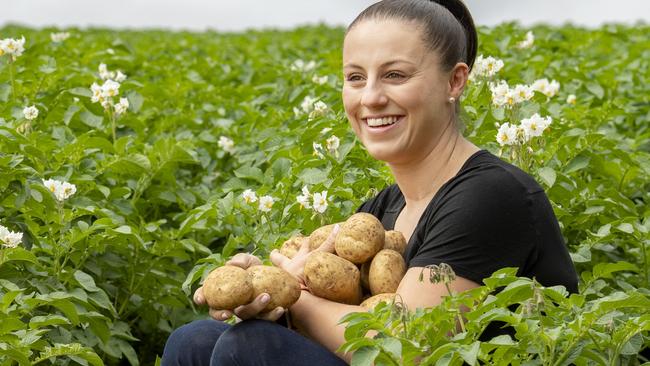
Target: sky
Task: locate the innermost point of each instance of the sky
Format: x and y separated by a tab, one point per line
238	15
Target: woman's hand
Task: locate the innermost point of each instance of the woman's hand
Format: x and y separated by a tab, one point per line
251	310
296	265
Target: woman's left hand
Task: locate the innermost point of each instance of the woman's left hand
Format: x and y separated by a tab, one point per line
296	265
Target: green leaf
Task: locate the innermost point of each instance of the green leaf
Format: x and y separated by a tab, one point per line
86	281
365	356
595	89
578	163
548	176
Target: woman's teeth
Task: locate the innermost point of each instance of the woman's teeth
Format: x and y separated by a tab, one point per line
374	122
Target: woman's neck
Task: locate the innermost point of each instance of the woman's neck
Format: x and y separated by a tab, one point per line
419	180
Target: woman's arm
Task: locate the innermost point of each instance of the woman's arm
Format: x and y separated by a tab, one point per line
319	318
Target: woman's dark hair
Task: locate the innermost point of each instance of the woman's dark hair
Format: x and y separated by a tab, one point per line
447	26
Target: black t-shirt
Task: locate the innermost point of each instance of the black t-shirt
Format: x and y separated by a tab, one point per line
489	216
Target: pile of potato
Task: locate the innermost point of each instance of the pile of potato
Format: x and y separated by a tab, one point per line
368	264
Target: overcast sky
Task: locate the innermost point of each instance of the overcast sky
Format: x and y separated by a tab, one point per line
234	15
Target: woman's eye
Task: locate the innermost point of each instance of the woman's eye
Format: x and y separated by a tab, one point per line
394	75
353	77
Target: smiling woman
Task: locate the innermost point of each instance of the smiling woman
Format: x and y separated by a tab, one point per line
406	63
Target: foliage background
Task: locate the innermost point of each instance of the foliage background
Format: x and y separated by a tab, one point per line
105	277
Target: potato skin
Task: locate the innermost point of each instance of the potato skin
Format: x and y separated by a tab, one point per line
332	278
318	236
365	275
373	301
361	236
290	247
283	288
386	271
395	240
228	287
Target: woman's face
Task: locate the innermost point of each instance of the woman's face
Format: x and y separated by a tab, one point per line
395	94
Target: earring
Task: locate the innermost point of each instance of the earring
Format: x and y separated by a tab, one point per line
452	100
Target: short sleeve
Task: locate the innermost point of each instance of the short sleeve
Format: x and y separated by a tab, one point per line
480	224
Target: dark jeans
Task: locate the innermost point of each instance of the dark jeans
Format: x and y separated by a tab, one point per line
251	342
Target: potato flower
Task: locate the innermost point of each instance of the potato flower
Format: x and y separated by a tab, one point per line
507	134
61	190
266	202
486	67
227	144
303	199
528	41
333	144
12	47
30	113
571	99
122	106
10	239
59	37
535	125
249	196
320	201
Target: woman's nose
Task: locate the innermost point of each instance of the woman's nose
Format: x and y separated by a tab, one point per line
373	95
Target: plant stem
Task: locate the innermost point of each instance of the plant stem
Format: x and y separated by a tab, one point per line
13	81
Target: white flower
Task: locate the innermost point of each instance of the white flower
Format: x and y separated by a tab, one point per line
227	144
62	190
303	199
325	130
522	93
249	196
320	109
266	202
30	113
110	89
320	80
320	201
10	239
571	99
486	66
59	37
333	144
13	47
307	104
543	86
120	77
535	125
318	148
104	74
300	65
528	41
107	103
507	134
97	93
122	106
501	94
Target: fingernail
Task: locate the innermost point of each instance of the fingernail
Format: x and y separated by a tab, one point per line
279	312
336	228
224	316
265	298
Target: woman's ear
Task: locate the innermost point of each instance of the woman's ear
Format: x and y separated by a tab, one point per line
458	79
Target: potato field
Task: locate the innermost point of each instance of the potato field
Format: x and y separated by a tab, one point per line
132	163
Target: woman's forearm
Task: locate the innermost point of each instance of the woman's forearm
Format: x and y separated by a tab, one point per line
319	319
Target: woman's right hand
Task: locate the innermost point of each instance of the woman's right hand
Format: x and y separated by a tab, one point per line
251	310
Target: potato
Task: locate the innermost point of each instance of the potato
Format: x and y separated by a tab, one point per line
283	288
361	236
395	240
290	247
373	301
319	235
386	271
228	287
332	278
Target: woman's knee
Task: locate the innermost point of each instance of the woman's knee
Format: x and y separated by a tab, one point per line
246	339
192	343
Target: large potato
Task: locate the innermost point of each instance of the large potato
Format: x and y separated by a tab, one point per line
373	301
360	238
332	278
395	240
228	287
290	247
318	236
283	288
386	271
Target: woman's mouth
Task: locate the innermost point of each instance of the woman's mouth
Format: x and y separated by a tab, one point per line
382	123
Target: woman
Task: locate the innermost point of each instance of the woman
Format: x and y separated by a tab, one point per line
405	64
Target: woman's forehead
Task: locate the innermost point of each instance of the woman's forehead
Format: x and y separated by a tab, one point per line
383	41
